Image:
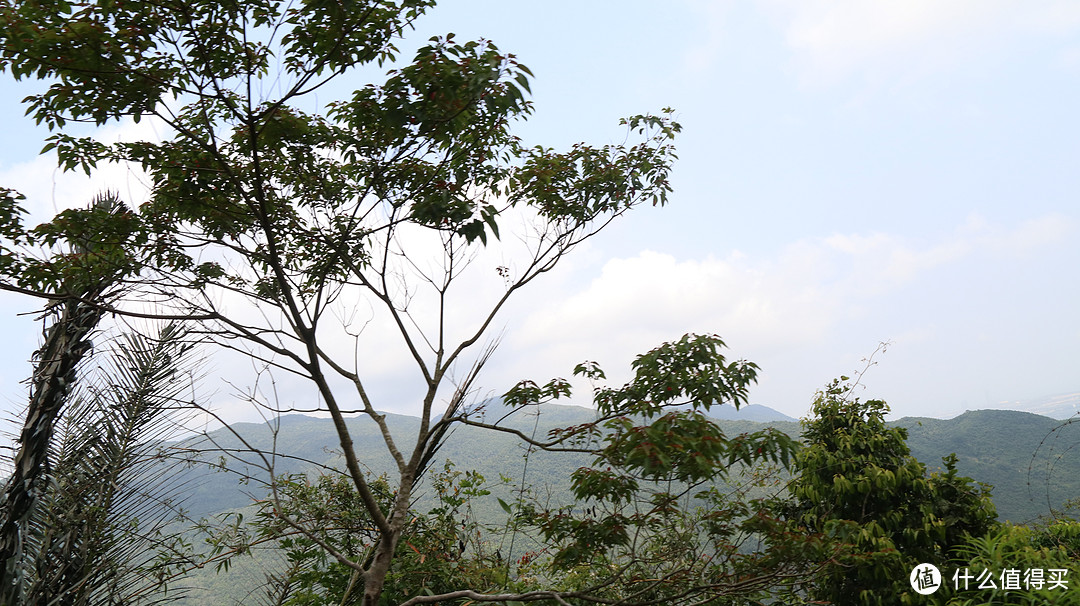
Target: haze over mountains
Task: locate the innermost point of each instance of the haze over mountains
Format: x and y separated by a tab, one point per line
1059	406
1031	460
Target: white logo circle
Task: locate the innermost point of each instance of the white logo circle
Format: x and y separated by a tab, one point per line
925	579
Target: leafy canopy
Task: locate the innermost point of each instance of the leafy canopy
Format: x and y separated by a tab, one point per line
858	483
299	195
296	216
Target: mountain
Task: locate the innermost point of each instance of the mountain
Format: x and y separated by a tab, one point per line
1031	460
750	412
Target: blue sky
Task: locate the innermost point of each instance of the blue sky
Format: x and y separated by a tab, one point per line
850	172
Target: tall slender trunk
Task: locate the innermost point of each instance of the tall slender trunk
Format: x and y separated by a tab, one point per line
66	344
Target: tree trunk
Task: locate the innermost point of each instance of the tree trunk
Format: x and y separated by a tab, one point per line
375	575
66	344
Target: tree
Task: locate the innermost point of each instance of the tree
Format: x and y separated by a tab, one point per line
444	550
295	216
104	498
857	481
661	516
77	292
655	520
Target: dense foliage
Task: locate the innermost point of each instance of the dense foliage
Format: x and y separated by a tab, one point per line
857	482
296	217
651	506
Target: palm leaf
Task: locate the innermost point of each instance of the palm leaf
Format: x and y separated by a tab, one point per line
94	540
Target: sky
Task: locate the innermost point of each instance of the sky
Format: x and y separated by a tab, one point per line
850	173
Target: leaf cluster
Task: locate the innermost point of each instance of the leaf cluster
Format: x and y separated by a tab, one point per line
648	510
444	548
858	483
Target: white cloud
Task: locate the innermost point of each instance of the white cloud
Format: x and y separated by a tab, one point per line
798	312
885	41
881	262
49	190
638	302
1031	235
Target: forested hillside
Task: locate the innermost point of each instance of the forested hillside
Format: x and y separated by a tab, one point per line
1031	461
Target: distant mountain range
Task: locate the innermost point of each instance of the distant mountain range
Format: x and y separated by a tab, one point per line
751	412
1032	460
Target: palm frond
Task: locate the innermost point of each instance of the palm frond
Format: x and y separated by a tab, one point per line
112	485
